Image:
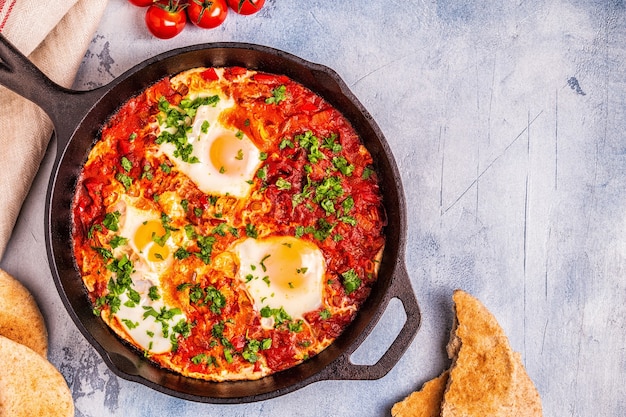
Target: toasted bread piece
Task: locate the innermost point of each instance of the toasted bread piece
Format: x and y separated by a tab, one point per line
20	317
486	377
30	385
423	403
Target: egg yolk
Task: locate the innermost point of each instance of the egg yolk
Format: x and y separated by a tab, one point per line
284	265
228	155
144	236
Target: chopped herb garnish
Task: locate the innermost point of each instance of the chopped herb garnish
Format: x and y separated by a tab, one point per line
286	143
328	206
153	293
147	172
295	327
196	295
323	230
199	358
262	173
311	143
133	295
181	253
329	189
325	314
343	166
160	240
278	95
205	243
347	204
130	324
218	330
228	355
283	184
348	220
217	299
266	344
279	314
178	119
111	221
220	229
252	348
183	328
250	351
164	317
126	164
351	281
124	179
105	253
251	231
122	268
205	126
331	144
262	263
94	227
190	232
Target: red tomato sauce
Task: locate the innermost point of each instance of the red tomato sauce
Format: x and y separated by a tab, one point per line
332	200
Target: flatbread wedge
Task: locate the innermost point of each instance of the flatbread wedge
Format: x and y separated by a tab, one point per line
30	385
486	377
423	403
20	317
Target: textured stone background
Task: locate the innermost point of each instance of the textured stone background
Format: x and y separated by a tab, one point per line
507	122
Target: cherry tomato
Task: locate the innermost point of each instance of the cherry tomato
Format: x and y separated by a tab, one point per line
246	6
166	20
207	14
142	3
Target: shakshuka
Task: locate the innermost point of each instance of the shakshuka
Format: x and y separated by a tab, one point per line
228	223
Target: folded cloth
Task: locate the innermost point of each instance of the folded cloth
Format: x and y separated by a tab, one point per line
55	35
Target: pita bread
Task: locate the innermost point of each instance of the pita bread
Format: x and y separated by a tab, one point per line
423	403
20	317
30	385
486	377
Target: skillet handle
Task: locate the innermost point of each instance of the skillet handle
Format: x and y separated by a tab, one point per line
400	288
65	107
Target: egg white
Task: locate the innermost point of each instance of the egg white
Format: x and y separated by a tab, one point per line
226	158
282	272
133	223
146	332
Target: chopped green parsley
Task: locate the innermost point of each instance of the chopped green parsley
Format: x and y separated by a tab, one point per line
278	95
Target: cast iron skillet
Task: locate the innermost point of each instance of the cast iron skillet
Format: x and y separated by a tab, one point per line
78	116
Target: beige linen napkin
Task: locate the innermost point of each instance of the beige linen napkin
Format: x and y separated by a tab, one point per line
55	35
